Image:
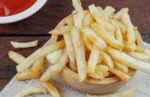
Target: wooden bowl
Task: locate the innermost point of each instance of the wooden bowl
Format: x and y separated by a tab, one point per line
93	86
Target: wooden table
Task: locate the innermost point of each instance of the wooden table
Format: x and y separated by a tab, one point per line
37	26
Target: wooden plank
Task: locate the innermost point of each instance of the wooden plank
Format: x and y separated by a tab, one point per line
55	10
3	83
7	67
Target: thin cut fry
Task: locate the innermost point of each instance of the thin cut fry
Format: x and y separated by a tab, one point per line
88	19
77	5
16	57
128	60
54	56
38	54
121	67
51	88
139	39
109	10
78	17
131	37
107	59
55	68
93	59
24	45
34	72
119	14
70	51
80	53
87	42
29	91
120	74
107	37
91	35
139	56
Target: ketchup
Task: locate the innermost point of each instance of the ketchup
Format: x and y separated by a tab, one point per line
12	7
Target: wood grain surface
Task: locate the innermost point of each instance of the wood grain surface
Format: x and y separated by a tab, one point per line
7	67
55	10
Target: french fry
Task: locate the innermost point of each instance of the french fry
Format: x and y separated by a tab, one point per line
51	88
122	27
78	17
131	37
53	57
119	14
24	45
29	91
107	59
34	72
107	37
91	35
128	60
126	93
55	68
121	67
16	57
77	5
70	51
120	74
93	59
109	11
38	54
139	56
88	19
87	42
80	53
139	39
139	49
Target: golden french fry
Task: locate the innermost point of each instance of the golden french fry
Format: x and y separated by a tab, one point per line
91	35
38	54
139	56
87	42
80	53
55	68
128	60
93	59
34	72
24	44
139	39
139	49
77	5
51	88
122	27
121	67
53	57
70	51
107	59
127	93
120	74
109	10
131	37
63	26
88	19
107	37
78	17
16	57
29	91
119	14
101	71
118	33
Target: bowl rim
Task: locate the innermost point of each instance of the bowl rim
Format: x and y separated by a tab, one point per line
106	81
25	14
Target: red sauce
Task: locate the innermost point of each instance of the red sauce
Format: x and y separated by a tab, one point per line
12	7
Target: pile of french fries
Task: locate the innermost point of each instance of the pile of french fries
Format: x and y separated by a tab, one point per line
95	43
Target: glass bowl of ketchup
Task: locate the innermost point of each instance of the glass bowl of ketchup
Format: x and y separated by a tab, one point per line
17	10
